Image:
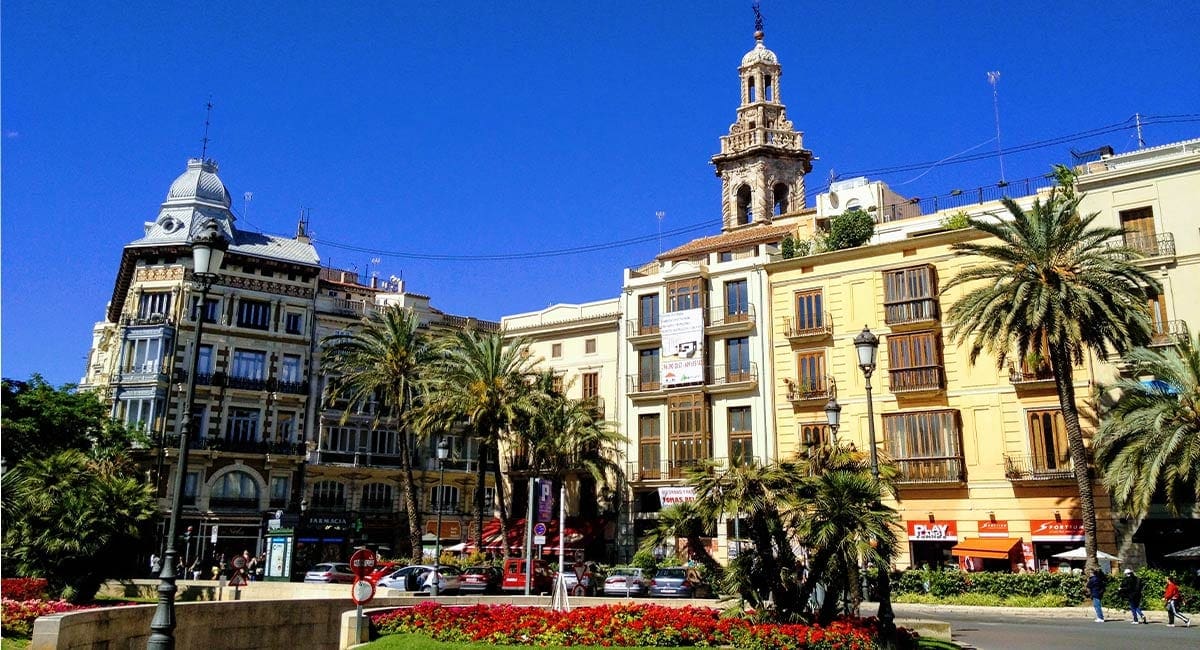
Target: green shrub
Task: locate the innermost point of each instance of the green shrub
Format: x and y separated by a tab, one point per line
850	229
956	221
787	247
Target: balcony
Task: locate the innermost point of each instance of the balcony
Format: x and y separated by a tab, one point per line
910	312
232	503
926	379
150	374
721	321
292	387
643	386
1026	375
674	470
247	383
1169	332
1151	245
802	391
723	379
807	329
641	332
934	470
242	446
595	404
352	308
357	458
1028	467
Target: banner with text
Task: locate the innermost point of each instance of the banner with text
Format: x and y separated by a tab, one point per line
670	496
932	531
682	355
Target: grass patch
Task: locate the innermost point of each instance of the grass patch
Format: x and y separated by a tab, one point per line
985	600
936	644
422	642
13	643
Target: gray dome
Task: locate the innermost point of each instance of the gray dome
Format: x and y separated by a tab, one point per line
760	54
199	183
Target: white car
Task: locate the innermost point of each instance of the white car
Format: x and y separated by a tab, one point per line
626	581
449	581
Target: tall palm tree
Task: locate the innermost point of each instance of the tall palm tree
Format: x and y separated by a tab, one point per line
483	380
385	361
1149	440
1053	281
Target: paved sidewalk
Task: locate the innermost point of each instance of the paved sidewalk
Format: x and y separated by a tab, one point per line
915	610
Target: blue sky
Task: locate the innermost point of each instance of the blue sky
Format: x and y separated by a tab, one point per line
482	128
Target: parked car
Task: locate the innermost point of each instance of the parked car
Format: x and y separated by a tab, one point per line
415	578
671	583
593	578
449	579
541	581
626	581
480	580
330	572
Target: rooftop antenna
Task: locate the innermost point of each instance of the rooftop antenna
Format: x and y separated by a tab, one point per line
302	226
1141	142
994	78
660	214
207	117
246	198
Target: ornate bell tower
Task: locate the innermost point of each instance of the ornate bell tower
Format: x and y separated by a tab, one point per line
763	160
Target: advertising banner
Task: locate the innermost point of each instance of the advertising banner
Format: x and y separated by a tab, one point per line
1053	530
682	358
545	499
932	531
670	496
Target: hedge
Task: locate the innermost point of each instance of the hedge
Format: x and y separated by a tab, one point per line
1071	587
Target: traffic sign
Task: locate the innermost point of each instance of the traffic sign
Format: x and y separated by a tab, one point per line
239	563
362	562
362	591
539	529
238	579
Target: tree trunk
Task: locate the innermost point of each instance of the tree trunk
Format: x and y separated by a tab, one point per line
1060	362
499	476
480	482
409	486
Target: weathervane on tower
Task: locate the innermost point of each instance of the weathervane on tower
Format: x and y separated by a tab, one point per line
207	116
758	25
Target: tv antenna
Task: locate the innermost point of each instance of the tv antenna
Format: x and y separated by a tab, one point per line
246	198
660	214
994	78
207	118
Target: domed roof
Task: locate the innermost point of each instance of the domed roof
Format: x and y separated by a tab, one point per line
760	54
199	183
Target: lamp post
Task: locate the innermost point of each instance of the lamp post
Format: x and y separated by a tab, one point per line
833	415
208	251
867	346
443	451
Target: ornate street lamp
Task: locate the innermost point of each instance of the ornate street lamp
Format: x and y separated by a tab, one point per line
867	346
443	452
833	415
208	251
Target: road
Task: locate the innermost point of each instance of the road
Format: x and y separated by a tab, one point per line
988	629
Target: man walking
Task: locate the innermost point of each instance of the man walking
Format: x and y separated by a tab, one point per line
1173	598
1095	587
1131	590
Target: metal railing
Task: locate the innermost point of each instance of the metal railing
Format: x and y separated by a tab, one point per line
356	458
1168	332
638	327
241	446
919	310
1034	467
942	469
247	383
292	387
911	380
642	383
1156	245
720	315
807	391
1026	375
916	207
677	469
795	328
722	375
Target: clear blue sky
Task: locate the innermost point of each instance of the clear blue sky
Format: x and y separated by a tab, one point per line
482	128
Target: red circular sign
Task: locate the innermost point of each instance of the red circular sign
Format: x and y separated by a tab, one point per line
362	591
362	563
239	562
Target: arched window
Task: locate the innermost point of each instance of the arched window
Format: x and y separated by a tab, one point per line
768	89
377	496
751	95
236	489
328	494
779	198
745	213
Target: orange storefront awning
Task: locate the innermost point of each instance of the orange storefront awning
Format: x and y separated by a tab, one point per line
992	548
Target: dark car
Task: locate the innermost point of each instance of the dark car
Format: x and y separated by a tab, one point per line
671	583
480	580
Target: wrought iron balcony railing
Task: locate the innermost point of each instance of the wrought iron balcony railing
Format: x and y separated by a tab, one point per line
1168	332
655	470
915	380
796	328
943	469
1156	245
921	310
722	316
1034	467
241	446
1026	375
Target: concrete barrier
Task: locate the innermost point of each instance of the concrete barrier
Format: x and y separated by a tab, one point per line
210	590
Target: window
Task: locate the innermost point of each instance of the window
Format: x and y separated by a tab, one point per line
737	356
328	494
199	422
1048	440
768	89
648	314
377	496
779	198
1139	230
249	364
204	366
489	499
289	370
343	439
725	256
556	384
286	431
591	385
556	350
139	413
926	445
649	446
740	440
810	376
382	442
443	498
689	437
684	294
910	295
190	482
145	355
293	323
255	314
914	362
810	312
813	434
209	312
751	95
235	488
154	305
648	369
243	425
279	491
737	305
745	213
1163	331
589	346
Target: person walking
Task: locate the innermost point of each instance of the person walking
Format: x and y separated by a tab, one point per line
1095	588
1174	601
1131	590
155	565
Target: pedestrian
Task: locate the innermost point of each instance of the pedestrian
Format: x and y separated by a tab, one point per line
1174	602
1095	588
155	565
1131	590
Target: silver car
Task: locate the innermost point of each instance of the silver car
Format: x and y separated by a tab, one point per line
626	581
671	583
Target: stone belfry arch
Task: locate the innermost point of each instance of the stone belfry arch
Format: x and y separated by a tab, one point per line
763	160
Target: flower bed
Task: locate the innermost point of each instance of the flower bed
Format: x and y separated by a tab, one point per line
18	615
23	588
622	625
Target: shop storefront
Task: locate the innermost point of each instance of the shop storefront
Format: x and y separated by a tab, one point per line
1051	536
930	543
991	550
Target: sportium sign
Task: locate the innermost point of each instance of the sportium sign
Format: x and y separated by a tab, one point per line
989	528
932	531
1054	530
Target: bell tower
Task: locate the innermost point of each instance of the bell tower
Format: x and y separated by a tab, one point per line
763	160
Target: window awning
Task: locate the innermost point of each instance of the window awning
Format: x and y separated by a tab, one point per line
992	548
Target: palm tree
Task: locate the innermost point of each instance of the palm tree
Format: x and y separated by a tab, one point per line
385	362
483	380
1149	440
1053	282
